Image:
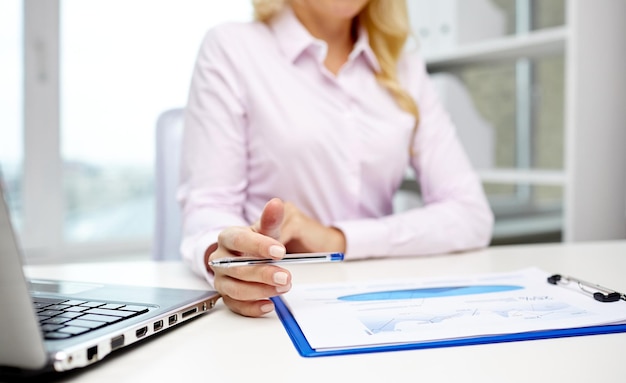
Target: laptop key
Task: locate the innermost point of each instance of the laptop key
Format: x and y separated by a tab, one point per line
56	335
111	306
77	308
100	318
69	315
74	302
73	330
51	327
116	313
52	301
49	313
57	307
85	323
93	304
40	305
139	309
56	320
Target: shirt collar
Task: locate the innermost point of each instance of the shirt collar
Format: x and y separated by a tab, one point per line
294	39
362	47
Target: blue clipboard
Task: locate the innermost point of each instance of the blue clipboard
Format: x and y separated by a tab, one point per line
305	350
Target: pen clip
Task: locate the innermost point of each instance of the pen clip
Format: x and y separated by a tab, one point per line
599	293
610	297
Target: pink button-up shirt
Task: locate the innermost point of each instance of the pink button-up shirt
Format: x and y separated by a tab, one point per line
266	119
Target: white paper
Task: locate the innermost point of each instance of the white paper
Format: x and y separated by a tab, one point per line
386	312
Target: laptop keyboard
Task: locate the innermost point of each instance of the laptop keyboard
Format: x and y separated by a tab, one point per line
63	318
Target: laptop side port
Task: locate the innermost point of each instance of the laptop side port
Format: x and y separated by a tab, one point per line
172	319
139	333
190	312
117	342
157	325
92	353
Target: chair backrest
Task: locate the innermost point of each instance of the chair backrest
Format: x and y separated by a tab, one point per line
167	231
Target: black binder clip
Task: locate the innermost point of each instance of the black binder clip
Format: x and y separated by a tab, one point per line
599	293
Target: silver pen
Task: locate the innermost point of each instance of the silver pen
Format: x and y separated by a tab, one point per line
289	258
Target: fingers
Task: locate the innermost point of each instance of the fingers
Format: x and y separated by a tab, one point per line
249	309
242	240
246	290
271	218
254	282
246	297
279	282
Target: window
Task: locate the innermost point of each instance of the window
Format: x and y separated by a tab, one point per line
120	64
11	95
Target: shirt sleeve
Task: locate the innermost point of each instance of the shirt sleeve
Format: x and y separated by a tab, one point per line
213	168
455	215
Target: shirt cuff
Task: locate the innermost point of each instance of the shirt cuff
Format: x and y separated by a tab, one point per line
365	238
193	250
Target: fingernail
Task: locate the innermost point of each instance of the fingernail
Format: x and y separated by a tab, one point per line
283	289
267	308
280	277
277	251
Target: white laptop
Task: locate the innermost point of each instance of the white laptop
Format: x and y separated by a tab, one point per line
49	325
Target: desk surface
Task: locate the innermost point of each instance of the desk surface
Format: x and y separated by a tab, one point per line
223	347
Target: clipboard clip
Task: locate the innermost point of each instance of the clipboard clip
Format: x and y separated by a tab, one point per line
599	293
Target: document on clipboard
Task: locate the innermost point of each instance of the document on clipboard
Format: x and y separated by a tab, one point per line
387	315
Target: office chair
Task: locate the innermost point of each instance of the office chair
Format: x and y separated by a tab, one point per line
167	231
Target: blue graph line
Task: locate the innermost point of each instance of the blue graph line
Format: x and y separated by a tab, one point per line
430	292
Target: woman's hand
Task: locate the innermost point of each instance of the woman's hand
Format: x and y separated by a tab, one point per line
246	290
303	234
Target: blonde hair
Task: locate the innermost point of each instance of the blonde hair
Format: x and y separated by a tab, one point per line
266	9
387	25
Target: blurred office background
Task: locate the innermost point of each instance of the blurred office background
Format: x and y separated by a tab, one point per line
82	83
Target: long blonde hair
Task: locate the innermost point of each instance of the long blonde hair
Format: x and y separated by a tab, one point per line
388	28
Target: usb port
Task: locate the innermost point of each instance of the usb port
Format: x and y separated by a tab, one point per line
117	342
141	332
172	319
157	325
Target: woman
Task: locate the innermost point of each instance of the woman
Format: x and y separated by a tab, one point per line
298	131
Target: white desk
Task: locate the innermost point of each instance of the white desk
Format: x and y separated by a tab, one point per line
224	347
